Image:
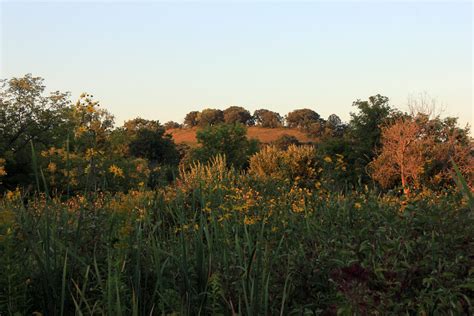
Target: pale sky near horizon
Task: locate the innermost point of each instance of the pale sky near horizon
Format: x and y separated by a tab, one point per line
161	60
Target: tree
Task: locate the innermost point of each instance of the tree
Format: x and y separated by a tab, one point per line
27	115
449	143
210	117
364	131
316	128
155	146
191	119
365	125
333	127
136	124
148	139
334	120
225	139
402	154
92	125
172	125
418	151
267	118
302	118
237	114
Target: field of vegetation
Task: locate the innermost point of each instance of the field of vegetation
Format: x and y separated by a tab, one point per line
375	217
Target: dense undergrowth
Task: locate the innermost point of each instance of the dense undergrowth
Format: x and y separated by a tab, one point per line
219	242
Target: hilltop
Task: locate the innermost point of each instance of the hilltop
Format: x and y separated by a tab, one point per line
264	135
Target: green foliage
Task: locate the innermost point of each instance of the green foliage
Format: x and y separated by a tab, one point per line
334	120
27	114
233	249
285	141
210	117
302	118
237	114
267	118
365	125
295	163
463	186
171	125
191	119
83	233
155	146
365	130
225	139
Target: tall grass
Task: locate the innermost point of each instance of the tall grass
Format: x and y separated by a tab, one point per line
200	248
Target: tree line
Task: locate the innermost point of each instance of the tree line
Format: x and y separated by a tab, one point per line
75	145
305	119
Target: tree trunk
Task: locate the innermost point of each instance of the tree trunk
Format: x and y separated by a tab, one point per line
406	189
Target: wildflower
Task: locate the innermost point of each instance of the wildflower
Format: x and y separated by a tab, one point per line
2	168
327	159
249	220
357	205
299	206
80	130
116	171
52	167
13	195
90	152
90	109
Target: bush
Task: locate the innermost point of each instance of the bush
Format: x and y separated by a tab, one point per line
285	141
229	140
297	163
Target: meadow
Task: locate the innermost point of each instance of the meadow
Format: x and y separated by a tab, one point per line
220	243
376	217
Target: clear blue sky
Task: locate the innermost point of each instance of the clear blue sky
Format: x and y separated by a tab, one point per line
160	60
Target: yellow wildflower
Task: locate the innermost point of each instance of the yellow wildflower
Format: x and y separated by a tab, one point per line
249	220
80	130
116	171
52	167
13	195
2	167
90	152
90	109
327	159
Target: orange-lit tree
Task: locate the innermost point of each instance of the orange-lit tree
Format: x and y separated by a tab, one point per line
402	155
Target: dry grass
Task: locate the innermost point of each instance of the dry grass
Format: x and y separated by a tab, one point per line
264	135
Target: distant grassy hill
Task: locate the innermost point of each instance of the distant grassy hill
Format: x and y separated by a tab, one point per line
264	135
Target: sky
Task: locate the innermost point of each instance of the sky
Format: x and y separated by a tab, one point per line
161	60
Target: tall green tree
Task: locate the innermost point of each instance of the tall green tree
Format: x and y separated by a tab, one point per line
27	115
365	131
155	146
225	139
